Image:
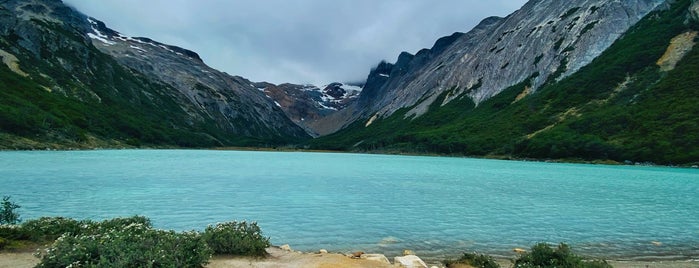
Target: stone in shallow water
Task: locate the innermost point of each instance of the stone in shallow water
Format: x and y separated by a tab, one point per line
410	261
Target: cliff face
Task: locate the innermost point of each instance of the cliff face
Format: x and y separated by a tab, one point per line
546	39
85	63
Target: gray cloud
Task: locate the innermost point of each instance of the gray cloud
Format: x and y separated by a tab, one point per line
299	41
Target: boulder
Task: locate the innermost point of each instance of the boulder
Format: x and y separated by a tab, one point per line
285	247
323	251
376	257
409	261
408	252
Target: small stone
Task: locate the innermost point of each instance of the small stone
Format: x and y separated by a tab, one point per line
410	261
408	252
376	257
519	250
357	254
323	251
285	247
656	243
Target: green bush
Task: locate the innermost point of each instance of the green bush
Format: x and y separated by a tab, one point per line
128	242
90	227
236	238
50	228
13	232
3	243
474	260
8	211
543	256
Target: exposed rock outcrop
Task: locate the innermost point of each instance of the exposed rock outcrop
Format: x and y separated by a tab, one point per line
679	47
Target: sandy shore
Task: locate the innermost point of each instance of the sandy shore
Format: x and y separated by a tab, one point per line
279	258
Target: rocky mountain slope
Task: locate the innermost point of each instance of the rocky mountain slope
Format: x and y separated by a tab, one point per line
556	79
306	104
71	81
552	39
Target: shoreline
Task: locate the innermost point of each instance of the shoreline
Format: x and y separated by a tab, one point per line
284	149
286	257
604	162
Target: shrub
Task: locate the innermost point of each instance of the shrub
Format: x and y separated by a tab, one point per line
50	228
543	256
236	238
128	242
8	213
13	232
90	227
474	260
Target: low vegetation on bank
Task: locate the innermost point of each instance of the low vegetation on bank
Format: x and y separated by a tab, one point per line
541	255
124	242
133	242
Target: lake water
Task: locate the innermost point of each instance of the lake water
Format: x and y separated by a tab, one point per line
374	203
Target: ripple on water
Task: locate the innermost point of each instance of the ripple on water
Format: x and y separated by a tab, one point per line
343	202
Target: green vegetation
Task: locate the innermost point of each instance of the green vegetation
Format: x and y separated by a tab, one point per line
8	211
236	238
129	242
538	58
621	107
589	27
543	256
569	13
557	45
474	260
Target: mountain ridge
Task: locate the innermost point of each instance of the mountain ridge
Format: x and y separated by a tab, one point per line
623	106
561	37
95	85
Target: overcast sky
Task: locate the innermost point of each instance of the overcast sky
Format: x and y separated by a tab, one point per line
297	41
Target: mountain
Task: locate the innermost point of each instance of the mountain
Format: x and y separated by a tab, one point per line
306	104
70	81
583	80
550	38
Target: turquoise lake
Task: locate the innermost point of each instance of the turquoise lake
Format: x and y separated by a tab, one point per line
375	203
